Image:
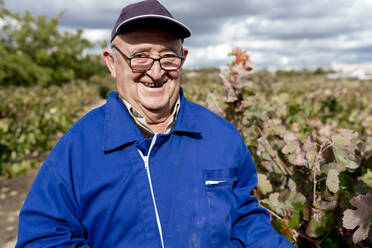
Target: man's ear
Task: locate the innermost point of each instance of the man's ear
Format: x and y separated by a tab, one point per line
108	58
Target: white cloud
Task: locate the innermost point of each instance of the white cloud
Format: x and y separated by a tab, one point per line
96	34
214	55
283	60
291	33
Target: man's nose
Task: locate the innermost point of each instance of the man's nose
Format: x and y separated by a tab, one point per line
156	72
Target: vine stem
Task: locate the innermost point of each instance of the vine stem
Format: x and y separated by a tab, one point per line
322	179
314	186
309	239
294	231
283	167
274	214
271	211
323	147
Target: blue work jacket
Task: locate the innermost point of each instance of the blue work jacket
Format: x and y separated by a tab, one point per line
105	186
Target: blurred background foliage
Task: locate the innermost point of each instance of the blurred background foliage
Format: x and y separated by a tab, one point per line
34	52
47	79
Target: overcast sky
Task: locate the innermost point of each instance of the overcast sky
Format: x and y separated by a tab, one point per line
275	33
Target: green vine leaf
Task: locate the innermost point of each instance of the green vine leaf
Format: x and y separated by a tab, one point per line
283	203
292	185
264	185
264	150
333	181
320	223
335	166
297	215
367	178
283	228
344	146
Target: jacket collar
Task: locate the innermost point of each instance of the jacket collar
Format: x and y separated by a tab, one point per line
186	120
120	129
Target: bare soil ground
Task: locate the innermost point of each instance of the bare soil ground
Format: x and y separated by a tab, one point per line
13	192
12	195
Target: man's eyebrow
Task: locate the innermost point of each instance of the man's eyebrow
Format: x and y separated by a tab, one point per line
147	49
138	50
169	49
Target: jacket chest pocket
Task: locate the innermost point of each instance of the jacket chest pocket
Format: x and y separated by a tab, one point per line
218	186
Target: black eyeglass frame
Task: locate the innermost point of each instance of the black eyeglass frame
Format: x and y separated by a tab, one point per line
153	60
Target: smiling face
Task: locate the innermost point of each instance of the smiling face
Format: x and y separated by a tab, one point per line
152	92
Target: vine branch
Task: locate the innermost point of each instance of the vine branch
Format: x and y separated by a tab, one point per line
294	231
282	166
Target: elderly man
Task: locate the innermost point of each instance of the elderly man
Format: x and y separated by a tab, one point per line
149	168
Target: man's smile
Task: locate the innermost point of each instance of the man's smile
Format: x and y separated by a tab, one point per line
154	84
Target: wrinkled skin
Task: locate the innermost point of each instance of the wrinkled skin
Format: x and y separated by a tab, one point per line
153	92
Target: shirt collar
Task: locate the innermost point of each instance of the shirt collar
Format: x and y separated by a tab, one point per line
140	120
120	129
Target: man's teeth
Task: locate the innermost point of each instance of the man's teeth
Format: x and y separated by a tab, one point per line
153	84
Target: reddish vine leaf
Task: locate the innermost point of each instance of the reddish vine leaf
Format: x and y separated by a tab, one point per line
268	165
360	217
212	104
230	92
292	149
300	159
311	150
290	136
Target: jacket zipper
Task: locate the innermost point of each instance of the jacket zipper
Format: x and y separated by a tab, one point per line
146	161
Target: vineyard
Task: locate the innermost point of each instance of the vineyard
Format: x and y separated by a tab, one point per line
33	118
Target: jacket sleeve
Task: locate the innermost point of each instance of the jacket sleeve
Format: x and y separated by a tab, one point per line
251	226
50	214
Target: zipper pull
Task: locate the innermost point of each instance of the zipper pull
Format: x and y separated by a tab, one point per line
146	160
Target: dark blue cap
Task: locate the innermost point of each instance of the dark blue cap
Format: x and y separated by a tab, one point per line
149	14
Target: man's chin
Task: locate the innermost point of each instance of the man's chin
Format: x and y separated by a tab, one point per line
155	107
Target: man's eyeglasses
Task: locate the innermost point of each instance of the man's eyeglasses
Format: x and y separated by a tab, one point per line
170	63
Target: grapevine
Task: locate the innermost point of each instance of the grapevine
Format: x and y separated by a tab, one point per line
312	145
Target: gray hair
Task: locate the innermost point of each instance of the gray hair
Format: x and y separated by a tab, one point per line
114	55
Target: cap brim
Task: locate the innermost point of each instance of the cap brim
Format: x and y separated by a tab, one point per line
155	21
